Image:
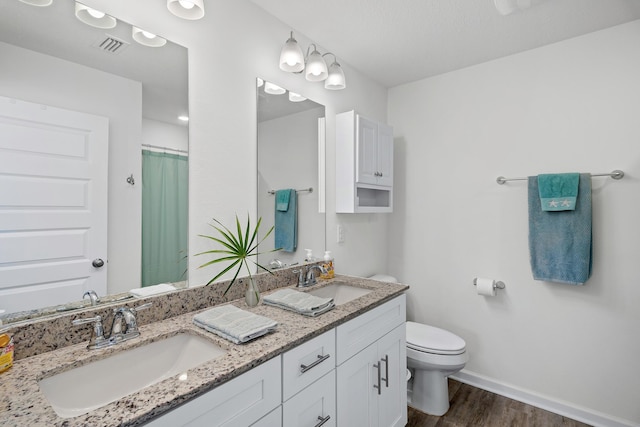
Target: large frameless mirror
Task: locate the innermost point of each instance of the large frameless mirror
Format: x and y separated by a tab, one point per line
291	175
54	61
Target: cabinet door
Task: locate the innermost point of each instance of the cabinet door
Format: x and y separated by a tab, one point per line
355	390
385	155
392	401
313	406
366	151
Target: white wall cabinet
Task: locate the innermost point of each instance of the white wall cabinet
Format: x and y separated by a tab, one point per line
364	164
371	384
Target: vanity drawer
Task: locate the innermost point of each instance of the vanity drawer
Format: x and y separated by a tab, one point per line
313	406
358	333
306	363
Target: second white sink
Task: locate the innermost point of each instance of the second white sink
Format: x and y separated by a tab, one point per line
96	384
340	292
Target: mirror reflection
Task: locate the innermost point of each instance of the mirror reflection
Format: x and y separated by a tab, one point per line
291	171
119	224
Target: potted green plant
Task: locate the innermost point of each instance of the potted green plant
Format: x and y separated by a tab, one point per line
238	249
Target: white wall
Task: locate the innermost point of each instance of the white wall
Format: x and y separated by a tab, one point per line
571	106
288	158
38	78
232	45
166	135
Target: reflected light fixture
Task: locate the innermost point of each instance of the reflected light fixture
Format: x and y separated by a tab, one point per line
94	17
146	38
260	82
295	97
186	9
40	3
272	89
183	118
313	65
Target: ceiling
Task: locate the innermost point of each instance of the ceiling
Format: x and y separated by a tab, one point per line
55	31
400	41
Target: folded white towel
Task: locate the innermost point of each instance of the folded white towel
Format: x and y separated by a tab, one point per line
152	290
299	302
234	324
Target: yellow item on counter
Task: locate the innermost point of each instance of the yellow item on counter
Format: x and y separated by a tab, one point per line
328	266
6	352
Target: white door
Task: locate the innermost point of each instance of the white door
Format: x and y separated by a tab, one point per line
356	395
53	204
385	155
392	353
366	143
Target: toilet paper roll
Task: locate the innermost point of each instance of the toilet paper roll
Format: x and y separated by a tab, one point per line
485	287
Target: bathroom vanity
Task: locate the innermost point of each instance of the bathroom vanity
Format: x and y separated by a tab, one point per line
347	364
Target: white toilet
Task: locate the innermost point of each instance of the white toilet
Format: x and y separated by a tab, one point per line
432	354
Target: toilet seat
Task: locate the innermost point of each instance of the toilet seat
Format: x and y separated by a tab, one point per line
429	339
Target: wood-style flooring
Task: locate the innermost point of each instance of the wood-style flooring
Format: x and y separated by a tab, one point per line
473	407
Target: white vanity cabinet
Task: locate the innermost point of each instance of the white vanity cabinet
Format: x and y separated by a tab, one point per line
242	401
372	364
364	164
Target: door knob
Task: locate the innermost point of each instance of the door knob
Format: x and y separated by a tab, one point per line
97	263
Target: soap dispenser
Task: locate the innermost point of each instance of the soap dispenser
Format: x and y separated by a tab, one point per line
328	266
309	257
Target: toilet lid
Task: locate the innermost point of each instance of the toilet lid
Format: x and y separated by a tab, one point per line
433	340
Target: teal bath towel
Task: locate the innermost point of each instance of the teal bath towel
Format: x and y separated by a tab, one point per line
286	222
560	242
558	192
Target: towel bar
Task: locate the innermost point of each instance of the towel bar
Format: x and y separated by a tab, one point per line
616	174
310	190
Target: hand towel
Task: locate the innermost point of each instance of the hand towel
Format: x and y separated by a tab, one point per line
234	324
152	290
282	200
560	242
558	192
299	302
286	224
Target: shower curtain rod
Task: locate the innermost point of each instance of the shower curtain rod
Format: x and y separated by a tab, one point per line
157	147
616	174
310	190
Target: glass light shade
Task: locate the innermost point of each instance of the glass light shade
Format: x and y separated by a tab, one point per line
146	38
186	9
291	56
40	3
94	17
295	97
336	79
259	82
272	89
316	70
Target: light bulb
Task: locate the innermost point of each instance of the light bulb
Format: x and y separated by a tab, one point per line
95	13
186	4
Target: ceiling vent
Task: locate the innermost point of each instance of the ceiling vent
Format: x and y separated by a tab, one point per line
110	44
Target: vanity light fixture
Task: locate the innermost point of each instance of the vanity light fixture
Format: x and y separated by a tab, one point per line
94	17
272	89
335	80
40	3
313	65
260	82
186	9
146	38
295	97
183	118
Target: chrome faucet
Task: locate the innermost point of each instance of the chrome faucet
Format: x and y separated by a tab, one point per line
118	332
308	278
93	297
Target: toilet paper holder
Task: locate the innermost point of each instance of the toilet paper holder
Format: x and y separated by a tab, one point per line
496	285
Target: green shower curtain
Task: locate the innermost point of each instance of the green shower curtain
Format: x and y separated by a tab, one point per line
164	217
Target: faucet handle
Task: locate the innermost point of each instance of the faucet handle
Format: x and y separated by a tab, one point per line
96	319
97	339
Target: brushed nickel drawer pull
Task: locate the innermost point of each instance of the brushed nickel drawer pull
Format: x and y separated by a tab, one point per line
322	420
377	366
385	359
321	358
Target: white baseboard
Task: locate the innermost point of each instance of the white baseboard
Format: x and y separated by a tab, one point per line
596	419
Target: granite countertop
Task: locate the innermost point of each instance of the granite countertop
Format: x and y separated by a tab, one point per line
23	404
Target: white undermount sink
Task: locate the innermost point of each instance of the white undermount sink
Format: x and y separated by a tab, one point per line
88	387
340	292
